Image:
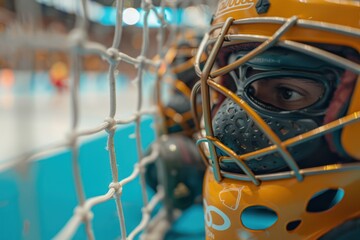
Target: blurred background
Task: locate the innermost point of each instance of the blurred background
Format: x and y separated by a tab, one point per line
59	16
38	193
34	81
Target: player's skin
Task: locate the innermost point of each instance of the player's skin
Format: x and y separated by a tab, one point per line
287	93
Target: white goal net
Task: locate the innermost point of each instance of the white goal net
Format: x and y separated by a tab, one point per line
119	100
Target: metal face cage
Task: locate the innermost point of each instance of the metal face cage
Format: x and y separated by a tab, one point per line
220	36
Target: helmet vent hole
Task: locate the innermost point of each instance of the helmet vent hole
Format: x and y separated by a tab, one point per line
240	123
284	131
231	110
293	225
296	126
258	217
325	200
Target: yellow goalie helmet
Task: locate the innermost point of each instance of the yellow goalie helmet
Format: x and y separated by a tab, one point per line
178	71
281	135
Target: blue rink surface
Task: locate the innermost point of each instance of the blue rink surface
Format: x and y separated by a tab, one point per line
37	201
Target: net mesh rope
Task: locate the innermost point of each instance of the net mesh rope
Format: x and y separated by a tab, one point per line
77	44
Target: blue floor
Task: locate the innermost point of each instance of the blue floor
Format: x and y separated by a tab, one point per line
35	203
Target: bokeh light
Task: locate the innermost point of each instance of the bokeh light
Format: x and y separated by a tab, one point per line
131	16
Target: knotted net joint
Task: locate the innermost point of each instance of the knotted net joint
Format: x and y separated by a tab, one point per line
84	213
111	125
141	61
117	187
114	55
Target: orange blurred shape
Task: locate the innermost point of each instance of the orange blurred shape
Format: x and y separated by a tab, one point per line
59	71
7	77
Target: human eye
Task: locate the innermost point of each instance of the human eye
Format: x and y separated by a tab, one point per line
288	94
285	93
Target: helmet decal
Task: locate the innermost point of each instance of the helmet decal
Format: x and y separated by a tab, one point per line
210	212
231	203
226	6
